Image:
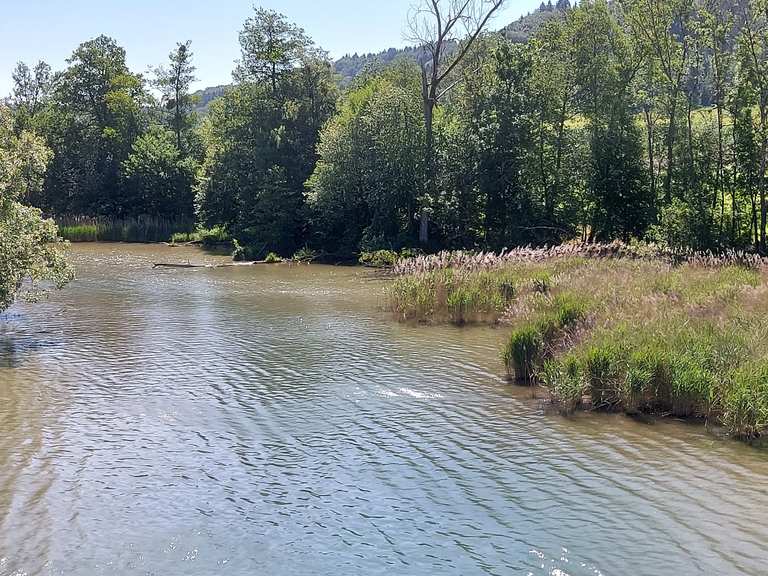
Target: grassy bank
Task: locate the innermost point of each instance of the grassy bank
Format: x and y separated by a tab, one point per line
141	229
637	330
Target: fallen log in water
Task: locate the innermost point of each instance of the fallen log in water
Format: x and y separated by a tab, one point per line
190	265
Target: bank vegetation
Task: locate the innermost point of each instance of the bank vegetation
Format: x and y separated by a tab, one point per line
613	328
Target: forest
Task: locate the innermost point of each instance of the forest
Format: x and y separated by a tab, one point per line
629	120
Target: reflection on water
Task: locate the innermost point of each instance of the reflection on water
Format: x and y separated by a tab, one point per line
271	420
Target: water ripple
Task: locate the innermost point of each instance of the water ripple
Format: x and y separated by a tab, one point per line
274	420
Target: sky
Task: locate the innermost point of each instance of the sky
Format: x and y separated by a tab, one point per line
32	30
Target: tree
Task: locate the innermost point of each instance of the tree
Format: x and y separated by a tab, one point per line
716	26
446	30
661	29
362	191
98	109
270	45
261	137
502	112
174	83
553	83
157	179
31	89
753	60
29	245
607	68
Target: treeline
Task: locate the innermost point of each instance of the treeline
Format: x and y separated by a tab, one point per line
634	119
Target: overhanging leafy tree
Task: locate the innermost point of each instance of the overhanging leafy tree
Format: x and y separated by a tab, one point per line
29	245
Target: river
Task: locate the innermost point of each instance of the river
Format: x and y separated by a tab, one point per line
274	420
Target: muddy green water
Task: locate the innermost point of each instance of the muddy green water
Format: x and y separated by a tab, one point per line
272	420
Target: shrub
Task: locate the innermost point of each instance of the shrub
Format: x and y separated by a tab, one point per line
273	258
379	258
239	253
304	255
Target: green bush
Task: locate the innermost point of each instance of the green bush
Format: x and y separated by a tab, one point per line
273	258
304	255
239	253
379	258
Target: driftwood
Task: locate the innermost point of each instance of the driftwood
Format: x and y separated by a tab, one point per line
227	265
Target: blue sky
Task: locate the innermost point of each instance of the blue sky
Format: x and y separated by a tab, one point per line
31	30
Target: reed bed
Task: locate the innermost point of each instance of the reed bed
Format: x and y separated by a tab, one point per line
138	229
472	261
607	329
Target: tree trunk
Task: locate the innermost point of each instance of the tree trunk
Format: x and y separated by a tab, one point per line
651	160
761	176
559	152
671	135
542	167
429	159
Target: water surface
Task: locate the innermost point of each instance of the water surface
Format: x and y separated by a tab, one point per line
273	420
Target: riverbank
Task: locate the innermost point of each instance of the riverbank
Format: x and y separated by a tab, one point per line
143	229
613	328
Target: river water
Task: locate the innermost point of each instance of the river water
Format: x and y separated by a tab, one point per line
273	420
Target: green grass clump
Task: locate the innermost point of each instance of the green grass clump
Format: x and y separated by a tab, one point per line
208	237
530	345
603	372
648	382
565	382
673	368
379	258
745	400
273	258
458	298
569	309
386	258
524	352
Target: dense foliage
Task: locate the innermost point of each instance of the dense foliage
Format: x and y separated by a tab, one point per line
29	247
612	120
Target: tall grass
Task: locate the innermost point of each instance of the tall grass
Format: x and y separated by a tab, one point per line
139	229
533	342
613	328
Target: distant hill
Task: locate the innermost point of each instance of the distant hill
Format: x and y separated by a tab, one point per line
352	65
519	31
206	96
527	26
